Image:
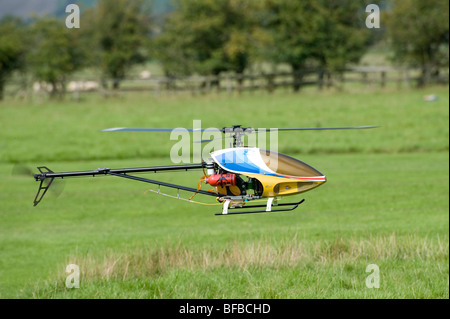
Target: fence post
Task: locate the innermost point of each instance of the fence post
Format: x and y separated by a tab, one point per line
270	85
383	79
298	79
158	88
364	78
240	82
320	76
209	83
407	78
229	85
329	80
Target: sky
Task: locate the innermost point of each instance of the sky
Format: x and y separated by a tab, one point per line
24	8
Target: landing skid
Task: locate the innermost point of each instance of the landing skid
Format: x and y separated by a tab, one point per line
268	208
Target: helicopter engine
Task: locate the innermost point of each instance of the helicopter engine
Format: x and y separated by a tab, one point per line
221	180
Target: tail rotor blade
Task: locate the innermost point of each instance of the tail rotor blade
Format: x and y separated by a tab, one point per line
57	187
21	170
54	184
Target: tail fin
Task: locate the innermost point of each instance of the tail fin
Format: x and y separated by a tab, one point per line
44	185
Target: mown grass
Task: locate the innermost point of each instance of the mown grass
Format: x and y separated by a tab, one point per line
55	131
385	202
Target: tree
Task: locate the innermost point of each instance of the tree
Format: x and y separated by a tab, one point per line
328	34
12	49
286	25
419	35
206	37
341	36
119	32
54	53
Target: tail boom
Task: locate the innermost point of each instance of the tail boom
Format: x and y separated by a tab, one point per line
46	176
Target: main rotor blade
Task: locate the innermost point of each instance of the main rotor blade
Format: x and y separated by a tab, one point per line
319	128
131	129
179	129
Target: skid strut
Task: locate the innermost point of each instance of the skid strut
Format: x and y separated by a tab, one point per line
268	206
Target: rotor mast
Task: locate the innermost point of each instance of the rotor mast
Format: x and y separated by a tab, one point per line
237	133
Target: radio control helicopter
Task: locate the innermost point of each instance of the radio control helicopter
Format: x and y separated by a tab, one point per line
237	175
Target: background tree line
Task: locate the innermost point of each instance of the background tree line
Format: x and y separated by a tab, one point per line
209	37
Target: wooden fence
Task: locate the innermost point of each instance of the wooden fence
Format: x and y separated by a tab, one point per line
374	76
367	76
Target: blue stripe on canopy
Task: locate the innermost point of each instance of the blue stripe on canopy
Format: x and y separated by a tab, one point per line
238	160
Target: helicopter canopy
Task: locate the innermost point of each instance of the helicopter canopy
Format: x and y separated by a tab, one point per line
257	161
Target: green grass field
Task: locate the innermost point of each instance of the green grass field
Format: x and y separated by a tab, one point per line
385	202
